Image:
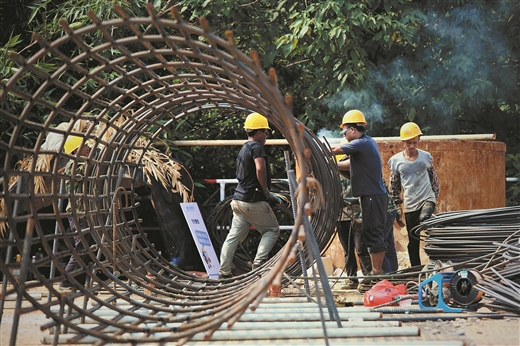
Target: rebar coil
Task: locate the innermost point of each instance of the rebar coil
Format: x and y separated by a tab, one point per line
148	74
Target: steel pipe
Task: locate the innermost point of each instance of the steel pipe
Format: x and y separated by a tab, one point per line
335	141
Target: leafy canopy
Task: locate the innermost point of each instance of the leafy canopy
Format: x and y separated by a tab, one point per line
451	66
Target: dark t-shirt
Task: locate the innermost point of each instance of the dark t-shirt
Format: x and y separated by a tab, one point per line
366	167
249	189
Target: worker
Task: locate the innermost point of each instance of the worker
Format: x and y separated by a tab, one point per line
350	237
367	184
251	201
73	146
390	263
413	171
349	228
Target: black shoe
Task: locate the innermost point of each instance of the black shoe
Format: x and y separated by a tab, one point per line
224	276
65	285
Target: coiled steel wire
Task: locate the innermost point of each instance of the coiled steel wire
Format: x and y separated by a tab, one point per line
465	236
487	241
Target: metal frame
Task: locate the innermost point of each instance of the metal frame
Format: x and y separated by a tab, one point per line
165	70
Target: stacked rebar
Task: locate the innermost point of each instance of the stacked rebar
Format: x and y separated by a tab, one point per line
485	240
468	236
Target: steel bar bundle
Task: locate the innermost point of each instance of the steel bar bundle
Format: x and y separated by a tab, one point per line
502	294
470	236
501	282
487	241
118	98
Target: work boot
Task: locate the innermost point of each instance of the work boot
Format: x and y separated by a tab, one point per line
369	281
225	276
258	265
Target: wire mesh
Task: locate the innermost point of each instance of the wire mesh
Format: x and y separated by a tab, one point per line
119	97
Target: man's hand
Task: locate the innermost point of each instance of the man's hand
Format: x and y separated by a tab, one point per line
399	216
273	200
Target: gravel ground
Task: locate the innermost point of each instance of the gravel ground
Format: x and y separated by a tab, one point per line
476	332
471	331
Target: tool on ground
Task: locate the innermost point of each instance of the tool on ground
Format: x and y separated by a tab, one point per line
451	291
384	293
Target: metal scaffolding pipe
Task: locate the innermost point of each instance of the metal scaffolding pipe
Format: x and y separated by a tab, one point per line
368	316
247	316
335	141
262	325
261	310
312	333
332	342
278	334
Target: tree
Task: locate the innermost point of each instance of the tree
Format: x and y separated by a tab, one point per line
451	66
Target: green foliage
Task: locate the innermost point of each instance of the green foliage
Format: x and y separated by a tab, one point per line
46	14
7	67
340	43
451	66
317	48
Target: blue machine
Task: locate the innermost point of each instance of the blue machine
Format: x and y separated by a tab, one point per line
449	291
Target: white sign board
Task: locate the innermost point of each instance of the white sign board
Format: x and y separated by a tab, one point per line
200	235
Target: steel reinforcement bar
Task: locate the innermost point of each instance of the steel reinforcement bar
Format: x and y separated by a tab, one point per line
119	97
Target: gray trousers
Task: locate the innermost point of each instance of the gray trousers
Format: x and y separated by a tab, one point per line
246	214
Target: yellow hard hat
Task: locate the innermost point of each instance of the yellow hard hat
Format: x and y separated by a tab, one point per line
256	121
409	131
72	143
340	156
353	117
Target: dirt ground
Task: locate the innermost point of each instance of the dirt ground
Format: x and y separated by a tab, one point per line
470	331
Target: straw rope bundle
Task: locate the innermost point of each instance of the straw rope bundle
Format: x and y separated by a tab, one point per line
159	166
154	163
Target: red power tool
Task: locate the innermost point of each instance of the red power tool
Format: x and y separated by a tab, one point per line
383	293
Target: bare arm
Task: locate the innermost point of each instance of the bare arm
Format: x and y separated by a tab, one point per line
336	150
344	165
261	175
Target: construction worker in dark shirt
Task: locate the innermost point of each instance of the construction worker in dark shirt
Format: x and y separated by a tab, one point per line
367	184
250	202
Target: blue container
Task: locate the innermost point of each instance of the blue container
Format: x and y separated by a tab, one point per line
174	261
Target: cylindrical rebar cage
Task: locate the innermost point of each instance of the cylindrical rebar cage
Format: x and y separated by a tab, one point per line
117	98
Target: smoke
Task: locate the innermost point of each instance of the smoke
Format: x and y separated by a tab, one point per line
330	135
363	100
463	66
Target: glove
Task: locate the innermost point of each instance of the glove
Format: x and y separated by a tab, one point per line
273	200
398	217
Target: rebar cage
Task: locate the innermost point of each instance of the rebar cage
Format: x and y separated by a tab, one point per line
119	97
